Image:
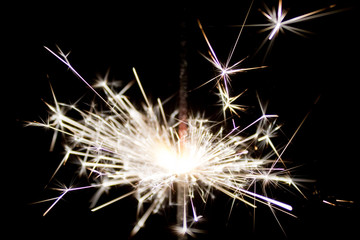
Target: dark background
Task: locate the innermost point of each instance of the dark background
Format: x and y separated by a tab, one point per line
118	36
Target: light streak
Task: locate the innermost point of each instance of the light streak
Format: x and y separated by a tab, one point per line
339	202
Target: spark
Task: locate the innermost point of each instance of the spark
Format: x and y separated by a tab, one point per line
277	22
141	148
228	102
64	191
339	202
224	72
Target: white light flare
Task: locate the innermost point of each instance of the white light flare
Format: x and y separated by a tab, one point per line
278	23
141	148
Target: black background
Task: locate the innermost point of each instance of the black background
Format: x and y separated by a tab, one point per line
120	36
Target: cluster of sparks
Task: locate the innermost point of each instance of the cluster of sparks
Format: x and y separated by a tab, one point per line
140	147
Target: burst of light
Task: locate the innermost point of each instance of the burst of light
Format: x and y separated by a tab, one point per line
141	148
277	21
228	102
224	72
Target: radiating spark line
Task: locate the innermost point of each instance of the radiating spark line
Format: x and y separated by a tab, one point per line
196	218
329	203
63	58
240	32
57	199
270	200
141	88
113	201
52	145
344	201
55	202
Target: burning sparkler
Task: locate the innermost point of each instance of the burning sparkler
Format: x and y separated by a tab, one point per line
142	148
152	151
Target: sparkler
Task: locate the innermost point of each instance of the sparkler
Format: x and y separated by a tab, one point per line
152	151
142	148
